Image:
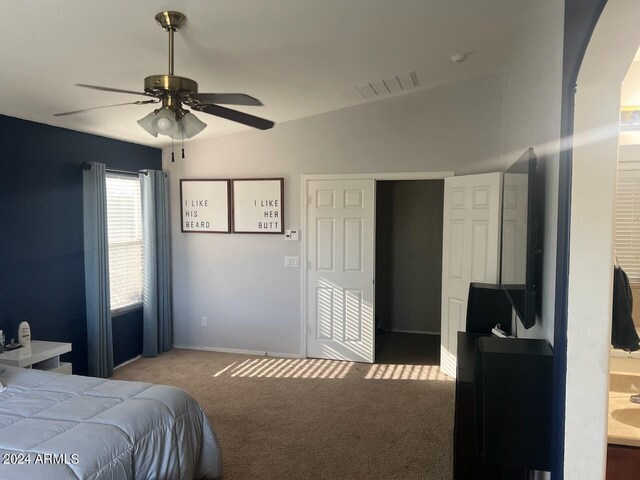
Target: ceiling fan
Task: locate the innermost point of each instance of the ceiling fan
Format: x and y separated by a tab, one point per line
175	92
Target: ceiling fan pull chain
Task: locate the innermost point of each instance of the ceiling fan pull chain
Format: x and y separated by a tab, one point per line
173	158
182	146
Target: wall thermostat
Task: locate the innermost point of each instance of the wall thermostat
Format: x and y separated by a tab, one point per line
291	235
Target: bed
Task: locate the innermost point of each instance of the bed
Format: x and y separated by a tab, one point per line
58	426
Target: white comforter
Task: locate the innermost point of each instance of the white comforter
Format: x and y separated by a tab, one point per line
55	426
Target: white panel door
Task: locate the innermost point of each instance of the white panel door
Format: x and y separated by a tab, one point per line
340	254
470	251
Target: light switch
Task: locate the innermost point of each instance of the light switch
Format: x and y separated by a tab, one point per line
291	235
292	262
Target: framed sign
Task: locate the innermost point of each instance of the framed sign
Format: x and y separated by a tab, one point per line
258	205
204	206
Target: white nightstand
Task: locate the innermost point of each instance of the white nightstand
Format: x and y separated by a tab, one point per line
39	355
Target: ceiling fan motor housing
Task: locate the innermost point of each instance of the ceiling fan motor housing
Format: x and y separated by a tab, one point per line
164	84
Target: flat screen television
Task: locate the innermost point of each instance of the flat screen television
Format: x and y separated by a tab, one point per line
519	246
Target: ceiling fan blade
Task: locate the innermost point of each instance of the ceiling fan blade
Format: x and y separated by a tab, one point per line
109	89
139	102
226	98
234	115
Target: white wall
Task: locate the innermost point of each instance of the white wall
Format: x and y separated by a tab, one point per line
532	118
532	111
238	281
608	56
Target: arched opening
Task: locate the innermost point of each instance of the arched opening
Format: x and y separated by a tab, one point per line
608	57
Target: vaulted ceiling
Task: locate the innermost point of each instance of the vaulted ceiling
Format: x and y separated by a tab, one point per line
300	57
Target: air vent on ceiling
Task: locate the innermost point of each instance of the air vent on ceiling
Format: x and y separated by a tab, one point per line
388	86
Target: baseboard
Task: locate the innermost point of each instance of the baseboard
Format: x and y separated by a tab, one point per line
261	353
131	360
421	332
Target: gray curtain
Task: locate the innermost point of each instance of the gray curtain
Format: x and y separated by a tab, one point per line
96	271
156	291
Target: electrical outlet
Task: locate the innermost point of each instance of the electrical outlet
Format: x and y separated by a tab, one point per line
205	321
291	262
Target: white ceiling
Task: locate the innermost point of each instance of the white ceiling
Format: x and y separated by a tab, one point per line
300	57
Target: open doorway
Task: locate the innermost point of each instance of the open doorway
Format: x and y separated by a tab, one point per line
624	383
338	285
408	259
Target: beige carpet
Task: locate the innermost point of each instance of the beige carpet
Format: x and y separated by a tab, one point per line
315	419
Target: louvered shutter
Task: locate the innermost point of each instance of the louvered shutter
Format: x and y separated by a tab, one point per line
627	234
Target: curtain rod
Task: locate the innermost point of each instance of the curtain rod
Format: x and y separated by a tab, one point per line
127	172
87	166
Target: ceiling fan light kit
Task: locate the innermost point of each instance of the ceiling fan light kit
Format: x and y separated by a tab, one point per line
175	92
191	125
147	123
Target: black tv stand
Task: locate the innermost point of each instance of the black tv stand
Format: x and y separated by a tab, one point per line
503	407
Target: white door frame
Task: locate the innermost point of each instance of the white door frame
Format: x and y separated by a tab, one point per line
304	261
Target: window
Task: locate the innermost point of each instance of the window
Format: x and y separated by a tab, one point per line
627	239
124	219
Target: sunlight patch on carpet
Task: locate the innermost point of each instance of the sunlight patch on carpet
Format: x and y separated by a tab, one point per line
330	369
406	372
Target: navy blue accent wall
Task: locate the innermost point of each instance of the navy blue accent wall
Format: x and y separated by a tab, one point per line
127	336
41	233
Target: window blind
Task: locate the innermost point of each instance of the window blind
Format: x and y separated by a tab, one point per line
627	233
124	222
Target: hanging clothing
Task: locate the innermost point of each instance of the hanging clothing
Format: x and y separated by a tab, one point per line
623	330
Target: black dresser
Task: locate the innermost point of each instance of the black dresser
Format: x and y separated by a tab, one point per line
503	407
